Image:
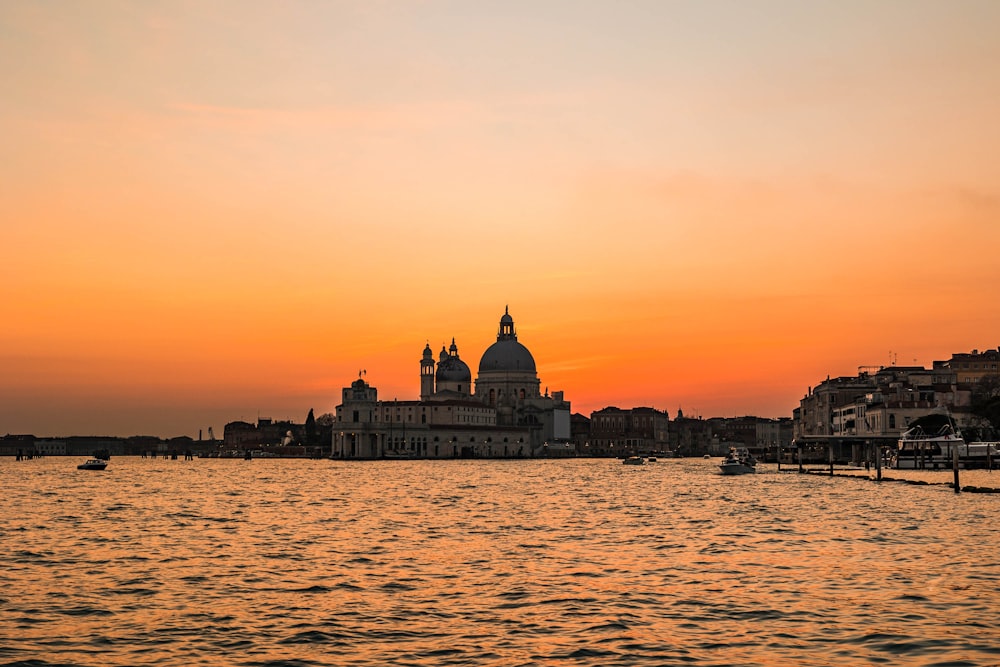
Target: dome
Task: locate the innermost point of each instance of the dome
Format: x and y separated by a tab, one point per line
507	355
453	369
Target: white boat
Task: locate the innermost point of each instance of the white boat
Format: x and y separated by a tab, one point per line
634	461
919	450
93	464
738	462
980	455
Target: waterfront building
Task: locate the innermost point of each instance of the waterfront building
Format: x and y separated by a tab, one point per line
240	435
815	414
505	416
691	436
882	402
761	436
622	432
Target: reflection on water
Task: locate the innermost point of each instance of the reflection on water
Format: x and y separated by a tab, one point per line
582	562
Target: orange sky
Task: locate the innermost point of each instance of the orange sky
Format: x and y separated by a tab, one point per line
216	212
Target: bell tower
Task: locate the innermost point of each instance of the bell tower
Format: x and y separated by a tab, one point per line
427	374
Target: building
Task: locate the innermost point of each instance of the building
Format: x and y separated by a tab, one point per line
690	436
619	432
814	416
853	416
972	367
506	416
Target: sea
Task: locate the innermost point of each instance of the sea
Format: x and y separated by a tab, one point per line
294	563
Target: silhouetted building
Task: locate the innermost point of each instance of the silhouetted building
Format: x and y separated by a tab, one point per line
507	416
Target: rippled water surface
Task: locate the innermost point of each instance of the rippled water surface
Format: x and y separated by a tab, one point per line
579	562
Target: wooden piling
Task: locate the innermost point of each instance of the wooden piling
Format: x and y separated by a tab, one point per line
954	467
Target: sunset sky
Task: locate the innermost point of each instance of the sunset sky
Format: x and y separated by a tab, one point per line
221	210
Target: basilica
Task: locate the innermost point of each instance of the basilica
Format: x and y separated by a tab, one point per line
503	414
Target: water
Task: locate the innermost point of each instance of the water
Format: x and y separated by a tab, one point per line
578	562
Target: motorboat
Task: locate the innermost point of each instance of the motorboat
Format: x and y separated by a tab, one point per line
93	464
634	461
937	451
919	449
738	462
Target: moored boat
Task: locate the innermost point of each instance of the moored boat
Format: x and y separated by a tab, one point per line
979	455
634	461
918	449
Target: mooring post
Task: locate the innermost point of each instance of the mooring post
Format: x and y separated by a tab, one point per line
798	450
954	465
878	463
830	452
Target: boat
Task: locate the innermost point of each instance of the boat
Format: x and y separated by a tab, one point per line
634	461
738	462
399	454
979	455
93	464
917	449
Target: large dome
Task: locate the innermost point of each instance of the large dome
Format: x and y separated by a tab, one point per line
507	354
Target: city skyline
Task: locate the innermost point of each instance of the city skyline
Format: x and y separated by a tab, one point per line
219	212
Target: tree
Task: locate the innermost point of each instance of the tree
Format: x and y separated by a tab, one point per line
986	402
324	426
311	428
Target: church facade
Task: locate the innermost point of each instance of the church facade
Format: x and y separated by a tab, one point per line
502	414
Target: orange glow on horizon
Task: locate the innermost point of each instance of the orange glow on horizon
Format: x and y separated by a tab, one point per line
201	225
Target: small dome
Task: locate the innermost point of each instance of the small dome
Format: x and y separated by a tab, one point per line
453	369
